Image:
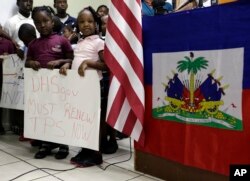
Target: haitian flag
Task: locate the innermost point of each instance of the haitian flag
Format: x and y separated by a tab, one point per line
197	86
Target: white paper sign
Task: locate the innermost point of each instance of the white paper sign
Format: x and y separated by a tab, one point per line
12	89
62	109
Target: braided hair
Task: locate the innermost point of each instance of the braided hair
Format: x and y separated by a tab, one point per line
97	19
49	11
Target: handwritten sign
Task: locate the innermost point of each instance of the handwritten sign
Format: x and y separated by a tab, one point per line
13	82
62	109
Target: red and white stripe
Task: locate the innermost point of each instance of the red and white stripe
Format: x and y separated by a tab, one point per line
124	56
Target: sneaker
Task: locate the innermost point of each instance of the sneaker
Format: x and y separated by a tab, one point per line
62	152
43	152
79	156
87	158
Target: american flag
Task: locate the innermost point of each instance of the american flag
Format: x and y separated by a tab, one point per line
124	56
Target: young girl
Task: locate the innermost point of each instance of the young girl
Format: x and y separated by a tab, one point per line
102	10
48	51
70	34
88	54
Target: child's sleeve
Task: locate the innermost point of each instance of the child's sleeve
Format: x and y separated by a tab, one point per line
66	45
30	51
100	45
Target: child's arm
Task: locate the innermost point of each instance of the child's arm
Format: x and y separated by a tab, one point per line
35	65
58	63
99	65
64	68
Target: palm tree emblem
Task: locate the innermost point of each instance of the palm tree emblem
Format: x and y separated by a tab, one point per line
192	66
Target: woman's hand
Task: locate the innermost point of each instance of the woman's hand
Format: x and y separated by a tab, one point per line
20	53
64	68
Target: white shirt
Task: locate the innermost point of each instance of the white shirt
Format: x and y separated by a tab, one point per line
63	20
13	24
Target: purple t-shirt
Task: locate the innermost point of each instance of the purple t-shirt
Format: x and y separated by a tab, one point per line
6	46
46	49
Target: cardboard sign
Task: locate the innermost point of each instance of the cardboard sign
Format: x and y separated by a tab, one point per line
62	109
13	80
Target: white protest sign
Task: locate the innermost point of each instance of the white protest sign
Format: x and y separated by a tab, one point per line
12	89
62	109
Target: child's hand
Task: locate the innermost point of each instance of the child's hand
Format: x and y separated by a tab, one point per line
20	53
82	68
53	64
35	65
63	69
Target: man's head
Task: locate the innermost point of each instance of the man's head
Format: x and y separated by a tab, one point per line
25	7
61	6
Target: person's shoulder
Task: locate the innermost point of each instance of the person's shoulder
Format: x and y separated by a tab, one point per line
98	41
34	45
4	40
34	42
12	19
59	37
71	17
96	38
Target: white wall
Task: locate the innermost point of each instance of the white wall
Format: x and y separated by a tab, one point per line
74	6
7	9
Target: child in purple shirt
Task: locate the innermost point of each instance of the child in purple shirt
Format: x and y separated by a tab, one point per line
49	51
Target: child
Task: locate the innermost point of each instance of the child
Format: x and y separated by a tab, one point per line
61	7
88	53
69	33
104	20
26	34
102	10
48	51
